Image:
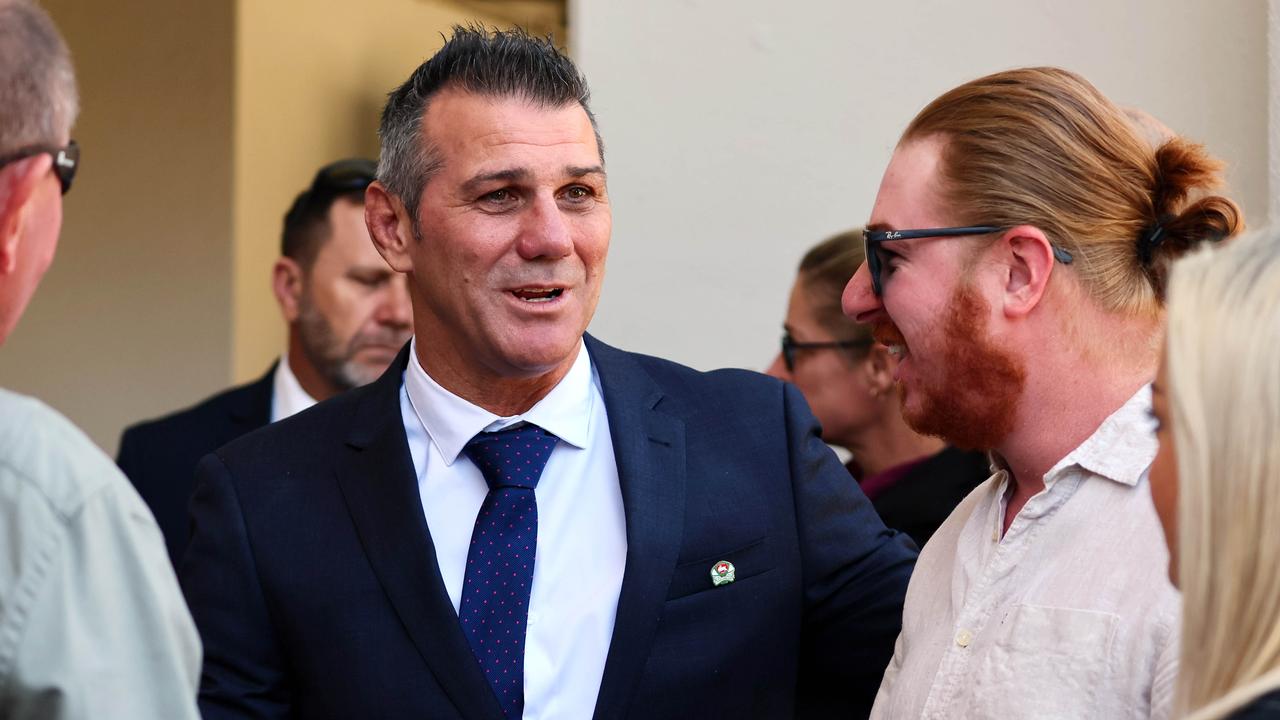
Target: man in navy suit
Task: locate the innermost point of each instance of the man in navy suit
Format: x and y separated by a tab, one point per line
347	313
517	520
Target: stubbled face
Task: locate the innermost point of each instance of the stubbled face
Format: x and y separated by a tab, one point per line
957	382
835	385
512	235
353	312
1164	470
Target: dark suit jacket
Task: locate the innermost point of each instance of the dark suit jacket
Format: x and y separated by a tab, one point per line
160	456
1266	707
919	501
312	576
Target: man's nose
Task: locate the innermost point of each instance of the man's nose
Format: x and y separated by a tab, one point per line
778	369
546	231
396	309
859	301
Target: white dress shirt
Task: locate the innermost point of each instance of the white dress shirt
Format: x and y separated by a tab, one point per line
582	544
287	396
1069	615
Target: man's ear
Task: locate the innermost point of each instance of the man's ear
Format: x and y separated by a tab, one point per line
287	280
18	182
879	366
1030	263
389	226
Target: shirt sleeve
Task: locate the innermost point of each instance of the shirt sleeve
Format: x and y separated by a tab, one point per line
101	629
881	707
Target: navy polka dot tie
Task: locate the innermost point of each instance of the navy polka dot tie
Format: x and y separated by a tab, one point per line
495	590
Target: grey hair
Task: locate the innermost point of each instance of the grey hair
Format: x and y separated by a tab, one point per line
38	99
498	63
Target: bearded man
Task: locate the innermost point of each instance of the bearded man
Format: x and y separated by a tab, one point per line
348	316
1016	261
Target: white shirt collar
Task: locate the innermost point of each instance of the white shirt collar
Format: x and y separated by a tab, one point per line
287	396
451	421
1120	450
1123	446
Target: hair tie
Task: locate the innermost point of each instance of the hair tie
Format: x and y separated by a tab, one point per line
1152	237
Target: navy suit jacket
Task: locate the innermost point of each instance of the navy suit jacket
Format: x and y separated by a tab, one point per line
159	456
312	576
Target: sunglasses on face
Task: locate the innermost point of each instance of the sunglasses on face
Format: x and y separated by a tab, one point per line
872	240
65	160
790	345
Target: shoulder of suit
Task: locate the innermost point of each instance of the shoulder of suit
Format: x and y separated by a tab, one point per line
212	408
43	454
305	431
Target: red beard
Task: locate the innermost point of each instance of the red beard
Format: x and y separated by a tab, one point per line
973	405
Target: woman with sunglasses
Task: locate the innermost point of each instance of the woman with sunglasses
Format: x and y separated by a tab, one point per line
914	481
1216	478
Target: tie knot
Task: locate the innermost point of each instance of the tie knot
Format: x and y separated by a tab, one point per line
513	457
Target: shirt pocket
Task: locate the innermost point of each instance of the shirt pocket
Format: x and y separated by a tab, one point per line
1045	662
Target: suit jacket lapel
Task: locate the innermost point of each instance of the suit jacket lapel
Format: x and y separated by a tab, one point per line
381	489
649	447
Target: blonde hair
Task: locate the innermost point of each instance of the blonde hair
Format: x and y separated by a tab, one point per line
1041	146
1223	369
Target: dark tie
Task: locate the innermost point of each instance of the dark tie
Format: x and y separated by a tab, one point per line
495	589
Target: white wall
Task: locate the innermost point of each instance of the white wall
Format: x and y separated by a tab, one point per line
740	133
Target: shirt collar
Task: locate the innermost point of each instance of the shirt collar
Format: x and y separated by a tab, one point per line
451	421
1120	450
1123	446
287	396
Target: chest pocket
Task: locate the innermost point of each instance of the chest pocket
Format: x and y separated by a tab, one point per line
1045	662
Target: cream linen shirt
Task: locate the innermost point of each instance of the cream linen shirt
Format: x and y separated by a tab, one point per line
92	624
1069	615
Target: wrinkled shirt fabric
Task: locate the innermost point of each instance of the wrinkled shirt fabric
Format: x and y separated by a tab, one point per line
1069	615
92	623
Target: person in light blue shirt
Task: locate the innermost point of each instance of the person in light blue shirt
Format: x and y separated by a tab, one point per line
92	624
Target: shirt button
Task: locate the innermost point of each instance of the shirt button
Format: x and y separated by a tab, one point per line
533	619
963	638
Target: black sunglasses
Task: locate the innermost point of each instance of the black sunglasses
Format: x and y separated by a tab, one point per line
65	160
790	345
331	181
871	240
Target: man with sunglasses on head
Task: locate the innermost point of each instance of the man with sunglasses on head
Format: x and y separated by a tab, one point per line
347	313
92	623
1016	263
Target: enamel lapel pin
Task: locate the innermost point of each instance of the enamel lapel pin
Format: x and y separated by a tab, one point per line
722	573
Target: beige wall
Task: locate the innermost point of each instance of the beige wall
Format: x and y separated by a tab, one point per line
133	318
